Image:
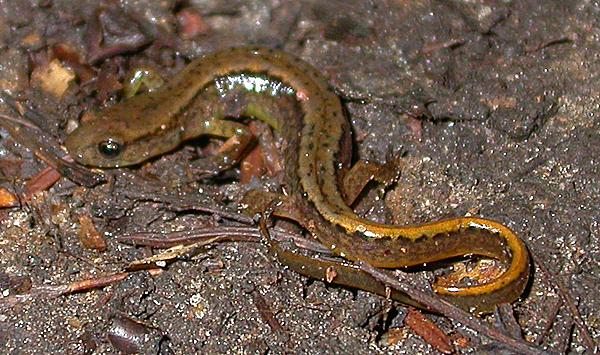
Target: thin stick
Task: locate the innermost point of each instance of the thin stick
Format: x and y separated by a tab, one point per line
224	234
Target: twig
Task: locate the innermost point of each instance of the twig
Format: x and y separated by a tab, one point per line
21	130
266	313
508	323
49	292
179	204
86	285
549	321
564	342
436	46
224	234
20	121
568	38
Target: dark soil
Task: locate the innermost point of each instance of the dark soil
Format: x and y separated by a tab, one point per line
494	104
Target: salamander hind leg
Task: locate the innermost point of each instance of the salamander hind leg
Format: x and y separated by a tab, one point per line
363	172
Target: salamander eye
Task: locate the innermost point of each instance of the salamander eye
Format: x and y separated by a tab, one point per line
109	148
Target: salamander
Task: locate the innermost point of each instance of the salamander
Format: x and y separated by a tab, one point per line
290	95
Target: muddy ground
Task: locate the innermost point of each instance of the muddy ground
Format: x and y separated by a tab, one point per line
495	106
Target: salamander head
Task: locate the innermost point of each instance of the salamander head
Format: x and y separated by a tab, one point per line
121	135
98	143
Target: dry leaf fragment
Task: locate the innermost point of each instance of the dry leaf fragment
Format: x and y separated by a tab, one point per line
41	182
89	236
427	330
395	335
52	78
191	24
8	199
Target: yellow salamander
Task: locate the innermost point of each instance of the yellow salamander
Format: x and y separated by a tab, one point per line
294	98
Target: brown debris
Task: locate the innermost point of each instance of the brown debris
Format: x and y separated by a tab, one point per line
90	284
266	313
71	57
252	165
42	181
330	274
394	336
32	41
10	168
8	199
48	292
20	284
169	255
415	125
89	236
272	153
460	341
14	75
88	342
427	330
264	157
191	23
112	32
53	78
127	335
436	46
107	82
567	298
506	317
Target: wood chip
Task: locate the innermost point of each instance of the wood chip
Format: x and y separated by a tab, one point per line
41	181
32	41
252	165
191	24
429	331
52	78
395	335
89	236
8	199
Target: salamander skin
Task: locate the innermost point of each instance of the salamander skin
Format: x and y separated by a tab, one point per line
293	97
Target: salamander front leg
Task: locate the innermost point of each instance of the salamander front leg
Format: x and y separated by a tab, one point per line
238	139
142	77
